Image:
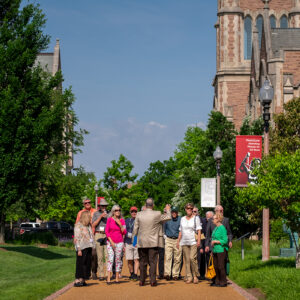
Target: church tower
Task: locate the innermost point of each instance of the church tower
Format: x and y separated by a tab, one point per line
240	24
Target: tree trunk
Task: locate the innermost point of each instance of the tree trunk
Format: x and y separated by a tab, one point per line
2	229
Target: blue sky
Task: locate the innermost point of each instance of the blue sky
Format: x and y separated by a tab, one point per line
141	71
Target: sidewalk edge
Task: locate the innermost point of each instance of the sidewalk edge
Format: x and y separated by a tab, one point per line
242	291
60	292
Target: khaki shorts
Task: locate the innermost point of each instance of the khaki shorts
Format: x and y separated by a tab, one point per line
131	252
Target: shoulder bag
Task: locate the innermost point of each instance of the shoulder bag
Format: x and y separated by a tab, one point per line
210	273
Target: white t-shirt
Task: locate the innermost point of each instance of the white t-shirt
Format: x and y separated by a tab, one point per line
188	230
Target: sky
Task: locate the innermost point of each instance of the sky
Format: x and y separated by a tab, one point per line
141	72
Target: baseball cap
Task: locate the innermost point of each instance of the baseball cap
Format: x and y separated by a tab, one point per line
174	208
133	208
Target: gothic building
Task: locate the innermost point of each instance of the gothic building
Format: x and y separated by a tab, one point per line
51	63
256	39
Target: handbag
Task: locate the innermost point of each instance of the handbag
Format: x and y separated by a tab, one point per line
210	273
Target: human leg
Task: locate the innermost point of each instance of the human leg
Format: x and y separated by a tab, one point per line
144	260
168	257
177	260
221	268
187	260
216	266
194	264
161	259
110	260
118	259
153	254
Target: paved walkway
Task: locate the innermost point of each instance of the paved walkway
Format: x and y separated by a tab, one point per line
128	290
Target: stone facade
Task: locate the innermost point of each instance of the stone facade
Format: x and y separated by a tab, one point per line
51	63
269	49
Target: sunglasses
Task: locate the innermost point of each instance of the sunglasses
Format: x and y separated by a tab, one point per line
194	211
117	209
189	208
87	203
133	211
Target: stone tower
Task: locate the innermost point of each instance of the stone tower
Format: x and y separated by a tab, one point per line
241	23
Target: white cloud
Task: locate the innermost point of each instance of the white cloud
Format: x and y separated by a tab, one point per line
140	142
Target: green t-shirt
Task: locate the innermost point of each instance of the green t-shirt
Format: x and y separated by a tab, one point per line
220	234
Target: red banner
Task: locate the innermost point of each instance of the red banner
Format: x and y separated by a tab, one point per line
248	155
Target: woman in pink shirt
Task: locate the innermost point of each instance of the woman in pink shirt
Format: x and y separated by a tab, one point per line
115	230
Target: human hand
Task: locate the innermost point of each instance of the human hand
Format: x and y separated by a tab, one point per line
201	251
104	214
212	243
113	244
168	207
207	249
79	253
230	244
198	244
177	245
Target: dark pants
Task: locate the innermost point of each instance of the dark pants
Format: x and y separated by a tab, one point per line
148	256
94	261
161	261
83	264
201	260
219	265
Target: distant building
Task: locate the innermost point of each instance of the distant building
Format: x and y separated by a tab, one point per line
51	62
256	39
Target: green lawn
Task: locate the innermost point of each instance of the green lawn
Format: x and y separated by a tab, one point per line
277	278
29	272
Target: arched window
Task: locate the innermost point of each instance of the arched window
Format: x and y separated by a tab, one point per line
247	37
284	22
259	25
273	22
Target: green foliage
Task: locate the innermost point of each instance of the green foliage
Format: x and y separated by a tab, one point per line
63	197
158	182
278	188
276	233
286	135
195	156
36	118
255	127
119	174
36	238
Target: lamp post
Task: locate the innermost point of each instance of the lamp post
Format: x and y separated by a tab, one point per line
96	188
266	95
218	154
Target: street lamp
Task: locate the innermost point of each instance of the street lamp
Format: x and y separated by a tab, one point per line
266	95
218	154
96	188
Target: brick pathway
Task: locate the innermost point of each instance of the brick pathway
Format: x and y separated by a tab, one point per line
174	290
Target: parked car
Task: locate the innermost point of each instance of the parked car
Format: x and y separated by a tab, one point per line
61	230
29	227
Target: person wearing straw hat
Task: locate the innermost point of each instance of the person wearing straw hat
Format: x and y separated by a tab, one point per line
98	224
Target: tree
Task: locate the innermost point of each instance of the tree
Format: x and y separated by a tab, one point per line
255	127
198	162
278	188
31	116
158	182
286	134
119	174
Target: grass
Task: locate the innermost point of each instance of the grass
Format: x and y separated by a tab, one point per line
277	278
29	272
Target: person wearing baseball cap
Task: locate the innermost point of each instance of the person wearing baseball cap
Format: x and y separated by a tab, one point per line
131	252
171	230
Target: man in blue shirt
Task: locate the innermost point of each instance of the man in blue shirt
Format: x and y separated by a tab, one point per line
171	230
131	252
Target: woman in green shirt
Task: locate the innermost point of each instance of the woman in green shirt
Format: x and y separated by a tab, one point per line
219	244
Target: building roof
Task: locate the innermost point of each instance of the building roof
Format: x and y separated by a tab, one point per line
285	39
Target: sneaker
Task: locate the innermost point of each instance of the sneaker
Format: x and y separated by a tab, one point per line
134	277
131	276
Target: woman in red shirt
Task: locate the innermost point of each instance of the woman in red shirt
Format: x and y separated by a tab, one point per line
115	230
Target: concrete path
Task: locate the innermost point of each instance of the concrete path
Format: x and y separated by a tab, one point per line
128	290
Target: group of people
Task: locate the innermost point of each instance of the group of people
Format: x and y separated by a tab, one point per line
149	237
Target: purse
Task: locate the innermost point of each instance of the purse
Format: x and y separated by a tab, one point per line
210	273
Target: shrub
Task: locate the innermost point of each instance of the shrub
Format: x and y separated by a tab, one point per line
36	238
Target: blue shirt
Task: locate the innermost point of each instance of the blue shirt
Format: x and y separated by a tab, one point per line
129	228
171	228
